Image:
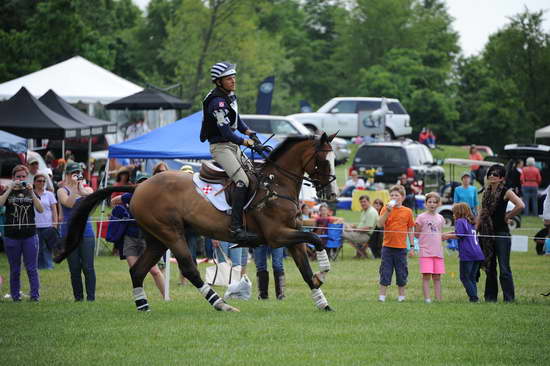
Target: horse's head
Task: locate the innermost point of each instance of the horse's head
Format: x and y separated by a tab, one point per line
320	168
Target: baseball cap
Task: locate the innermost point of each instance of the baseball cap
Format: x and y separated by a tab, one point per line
187	169
141	176
72	167
32	160
466	173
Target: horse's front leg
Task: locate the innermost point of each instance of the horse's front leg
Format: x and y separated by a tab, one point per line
295	237
299	254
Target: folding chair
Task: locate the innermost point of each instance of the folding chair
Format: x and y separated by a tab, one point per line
335	240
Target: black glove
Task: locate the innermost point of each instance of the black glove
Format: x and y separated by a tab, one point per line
255	138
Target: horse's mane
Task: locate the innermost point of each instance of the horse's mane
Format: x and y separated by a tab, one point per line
286	145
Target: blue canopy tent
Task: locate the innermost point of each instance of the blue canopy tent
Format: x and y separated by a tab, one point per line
178	140
13	143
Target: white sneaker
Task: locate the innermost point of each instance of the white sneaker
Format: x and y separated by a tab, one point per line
401	298
382	298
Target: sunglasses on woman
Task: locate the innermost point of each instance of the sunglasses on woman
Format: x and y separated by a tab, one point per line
40	181
494	174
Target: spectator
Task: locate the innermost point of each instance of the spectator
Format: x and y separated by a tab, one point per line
475	172
46	223
354	182
134	242
20	238
321	223
407	182
260	257
80	260
530	182
495	234
50	160
236	255
429	226
160	167
514	177
430	140
377	236
33	165
359	235
467	193
398	223
423	136
469	252
122	179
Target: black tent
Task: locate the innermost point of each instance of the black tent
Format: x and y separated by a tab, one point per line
149	99
26	116
59	105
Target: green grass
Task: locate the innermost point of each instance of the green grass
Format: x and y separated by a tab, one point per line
361	331
188	331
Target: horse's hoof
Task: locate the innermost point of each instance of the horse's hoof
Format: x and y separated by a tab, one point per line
328	308
226	307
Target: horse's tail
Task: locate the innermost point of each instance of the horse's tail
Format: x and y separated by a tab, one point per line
79	218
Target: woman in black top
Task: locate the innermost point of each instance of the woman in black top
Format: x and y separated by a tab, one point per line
20	233
494	235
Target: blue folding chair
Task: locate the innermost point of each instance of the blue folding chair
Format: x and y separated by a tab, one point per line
335	240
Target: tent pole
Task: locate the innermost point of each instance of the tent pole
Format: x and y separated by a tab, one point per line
89	158
100	226
167	276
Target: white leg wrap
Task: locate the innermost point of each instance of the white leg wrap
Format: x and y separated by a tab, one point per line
322	259
204	289
139	294
319	298
211	296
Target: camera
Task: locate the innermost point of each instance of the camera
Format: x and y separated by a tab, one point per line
78	176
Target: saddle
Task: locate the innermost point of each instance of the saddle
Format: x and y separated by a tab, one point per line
212	173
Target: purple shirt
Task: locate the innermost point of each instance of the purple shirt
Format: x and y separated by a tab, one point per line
468	247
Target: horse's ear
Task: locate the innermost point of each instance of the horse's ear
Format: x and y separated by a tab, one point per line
331	137
324	138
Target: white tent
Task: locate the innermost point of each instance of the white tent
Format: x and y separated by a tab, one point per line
542	133
76	79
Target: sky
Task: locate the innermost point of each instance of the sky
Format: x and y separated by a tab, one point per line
475	20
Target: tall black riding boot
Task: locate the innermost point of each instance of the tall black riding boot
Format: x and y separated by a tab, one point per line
263	283
239	235
279	285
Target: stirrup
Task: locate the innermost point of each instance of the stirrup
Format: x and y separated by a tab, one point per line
241	236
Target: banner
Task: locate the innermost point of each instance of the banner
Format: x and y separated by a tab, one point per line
265	94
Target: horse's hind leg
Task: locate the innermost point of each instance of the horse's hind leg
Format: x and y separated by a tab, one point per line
299	253
151	255
188	268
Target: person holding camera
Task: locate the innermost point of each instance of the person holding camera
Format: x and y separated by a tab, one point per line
20	234
82	259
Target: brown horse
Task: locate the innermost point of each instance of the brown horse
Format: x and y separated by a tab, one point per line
167	204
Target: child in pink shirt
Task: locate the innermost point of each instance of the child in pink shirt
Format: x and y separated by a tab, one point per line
428	229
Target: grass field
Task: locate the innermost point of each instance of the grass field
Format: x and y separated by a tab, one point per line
187	331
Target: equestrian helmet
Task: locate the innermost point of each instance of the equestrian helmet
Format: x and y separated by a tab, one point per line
222	69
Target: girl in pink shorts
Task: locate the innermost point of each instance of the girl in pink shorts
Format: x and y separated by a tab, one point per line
428	231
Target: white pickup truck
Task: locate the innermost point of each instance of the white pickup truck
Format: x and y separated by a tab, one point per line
341	114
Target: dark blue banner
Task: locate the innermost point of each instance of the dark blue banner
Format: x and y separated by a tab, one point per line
265	94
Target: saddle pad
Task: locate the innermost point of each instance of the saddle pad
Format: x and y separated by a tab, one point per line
209	190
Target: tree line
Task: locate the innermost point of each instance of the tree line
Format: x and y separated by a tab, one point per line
317	49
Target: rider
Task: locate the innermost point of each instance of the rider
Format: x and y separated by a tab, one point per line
220	120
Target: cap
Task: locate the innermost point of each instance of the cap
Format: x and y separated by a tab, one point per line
465	174
140	176
32	160
72	167
187	169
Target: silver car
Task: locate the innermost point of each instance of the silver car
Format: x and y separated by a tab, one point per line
283	126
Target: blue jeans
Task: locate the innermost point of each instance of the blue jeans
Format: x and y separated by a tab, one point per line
81	260
503	246
260	257
468	277
348	191
530	200
234	254
394	259
47	238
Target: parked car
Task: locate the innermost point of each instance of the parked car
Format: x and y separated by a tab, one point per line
392	159
341	114
283	127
